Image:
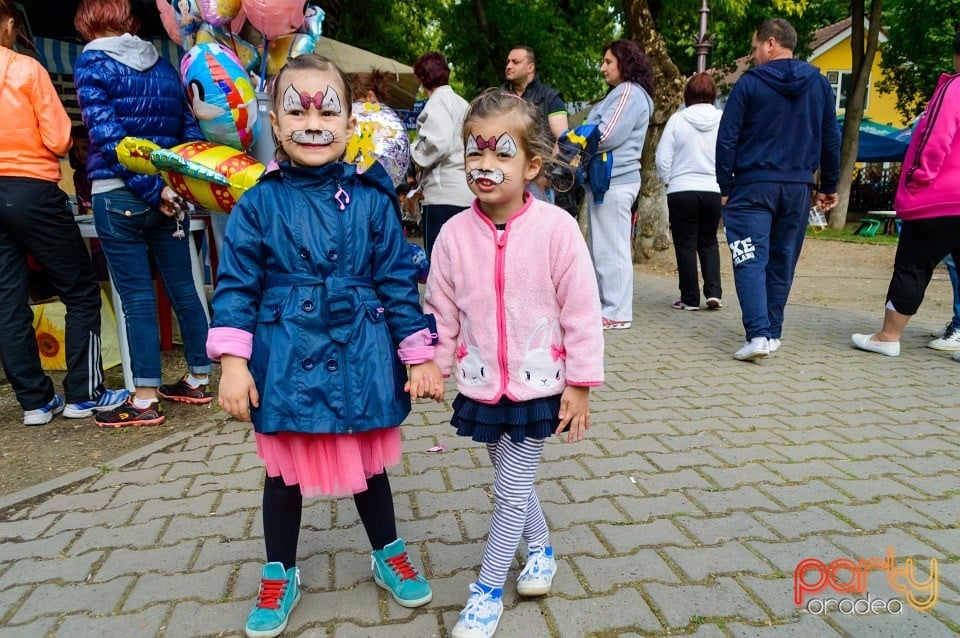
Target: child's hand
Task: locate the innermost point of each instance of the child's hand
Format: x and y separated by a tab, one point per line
574	412
425	381
237	388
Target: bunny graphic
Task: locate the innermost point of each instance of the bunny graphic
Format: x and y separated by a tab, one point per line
543	362
472	369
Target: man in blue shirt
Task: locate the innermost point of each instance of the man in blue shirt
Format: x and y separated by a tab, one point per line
778	127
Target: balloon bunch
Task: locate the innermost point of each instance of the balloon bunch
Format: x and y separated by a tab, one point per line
216	72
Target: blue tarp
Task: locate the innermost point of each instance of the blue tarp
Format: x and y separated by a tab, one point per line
879	148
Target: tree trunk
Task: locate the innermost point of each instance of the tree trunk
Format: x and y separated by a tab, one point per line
651	229
864	50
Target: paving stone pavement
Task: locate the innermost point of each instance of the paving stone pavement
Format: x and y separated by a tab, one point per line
702	484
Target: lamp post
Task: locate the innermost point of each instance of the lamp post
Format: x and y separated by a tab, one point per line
702	42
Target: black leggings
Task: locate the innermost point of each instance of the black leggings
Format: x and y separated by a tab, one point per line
923	244
282	507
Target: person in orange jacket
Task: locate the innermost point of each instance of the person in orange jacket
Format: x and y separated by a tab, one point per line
35	220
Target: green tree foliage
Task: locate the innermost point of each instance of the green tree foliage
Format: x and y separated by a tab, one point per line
919	48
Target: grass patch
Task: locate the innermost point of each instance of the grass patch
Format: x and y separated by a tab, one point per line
847	235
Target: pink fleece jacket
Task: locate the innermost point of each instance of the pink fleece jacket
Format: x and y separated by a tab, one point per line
518	312
930	178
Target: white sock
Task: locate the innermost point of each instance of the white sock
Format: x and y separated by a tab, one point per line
194	382
143	404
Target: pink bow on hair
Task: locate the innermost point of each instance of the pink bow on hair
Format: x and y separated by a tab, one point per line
461	352
483	144
558	352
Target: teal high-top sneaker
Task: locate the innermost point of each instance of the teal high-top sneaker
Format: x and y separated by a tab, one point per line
392	571
279	594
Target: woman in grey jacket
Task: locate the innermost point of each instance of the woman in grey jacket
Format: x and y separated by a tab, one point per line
438	149
622	117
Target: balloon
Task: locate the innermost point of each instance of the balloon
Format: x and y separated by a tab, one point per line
189	20
218	12
287	46
220	93
169	20
379	137
274	18
249	55
313	21
237	23
212	176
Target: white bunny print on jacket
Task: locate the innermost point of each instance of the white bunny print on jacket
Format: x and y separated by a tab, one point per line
471	368
544	360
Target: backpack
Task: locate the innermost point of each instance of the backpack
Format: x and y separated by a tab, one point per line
577	147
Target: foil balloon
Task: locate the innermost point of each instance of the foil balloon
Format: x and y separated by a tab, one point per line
188	18
220	93
313	21
274	18
169	21
379	136
287	46
212	176
248	54
218	12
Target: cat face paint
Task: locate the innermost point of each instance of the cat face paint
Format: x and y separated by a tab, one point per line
504	146
311	122
329	100
497	166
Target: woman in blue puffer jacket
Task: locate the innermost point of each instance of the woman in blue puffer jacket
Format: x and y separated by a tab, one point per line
125	89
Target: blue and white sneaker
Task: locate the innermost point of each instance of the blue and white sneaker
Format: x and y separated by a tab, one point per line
279	594
42	416
537	577
479	619
107	401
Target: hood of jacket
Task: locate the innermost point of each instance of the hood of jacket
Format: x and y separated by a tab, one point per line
703	117
127	49
789	77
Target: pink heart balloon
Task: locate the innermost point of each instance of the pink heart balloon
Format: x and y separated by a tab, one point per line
169	20
274	18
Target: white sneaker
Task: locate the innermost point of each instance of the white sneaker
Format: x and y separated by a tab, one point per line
479	619
866	342
43	415
773	345
756	348
537	577
714	303
939	332
955	356
950	340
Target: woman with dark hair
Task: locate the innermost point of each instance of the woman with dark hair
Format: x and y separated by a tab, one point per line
622	117
686	162
35	220
438	148
126	89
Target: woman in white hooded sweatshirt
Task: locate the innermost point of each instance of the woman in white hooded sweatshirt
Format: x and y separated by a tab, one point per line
686	162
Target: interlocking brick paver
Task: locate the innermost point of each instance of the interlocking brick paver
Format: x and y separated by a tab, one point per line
812	453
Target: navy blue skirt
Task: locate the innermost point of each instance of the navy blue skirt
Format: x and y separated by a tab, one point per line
486	422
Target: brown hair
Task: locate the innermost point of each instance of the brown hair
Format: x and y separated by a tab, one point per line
535	139
780	30
432	70
700	89
376	81
8	10
95	17
306	62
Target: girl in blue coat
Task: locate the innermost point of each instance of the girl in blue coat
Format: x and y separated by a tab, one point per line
315	293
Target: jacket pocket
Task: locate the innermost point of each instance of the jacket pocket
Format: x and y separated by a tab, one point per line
125	205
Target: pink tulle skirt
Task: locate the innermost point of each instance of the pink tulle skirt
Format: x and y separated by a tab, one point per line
329	464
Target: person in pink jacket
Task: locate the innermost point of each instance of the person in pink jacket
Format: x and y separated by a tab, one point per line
518	317
928	202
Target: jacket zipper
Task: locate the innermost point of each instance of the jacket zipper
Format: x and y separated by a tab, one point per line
498	275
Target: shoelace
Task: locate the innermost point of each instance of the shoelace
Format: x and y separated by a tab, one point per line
401	565
480	605
271	591
536	566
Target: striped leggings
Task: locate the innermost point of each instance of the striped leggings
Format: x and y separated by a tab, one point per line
516	509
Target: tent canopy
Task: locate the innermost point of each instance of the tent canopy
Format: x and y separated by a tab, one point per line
403	83
878	142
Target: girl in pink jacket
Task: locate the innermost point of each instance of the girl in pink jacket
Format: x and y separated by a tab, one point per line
518	314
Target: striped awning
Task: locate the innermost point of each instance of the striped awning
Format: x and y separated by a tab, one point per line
57	56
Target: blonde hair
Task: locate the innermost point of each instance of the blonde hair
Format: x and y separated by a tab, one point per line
535	137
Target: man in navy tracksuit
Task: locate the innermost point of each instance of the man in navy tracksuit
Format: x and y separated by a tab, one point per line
778	127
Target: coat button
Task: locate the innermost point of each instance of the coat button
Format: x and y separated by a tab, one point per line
307	305
304	253
127	213
332	255
308	364
332	365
